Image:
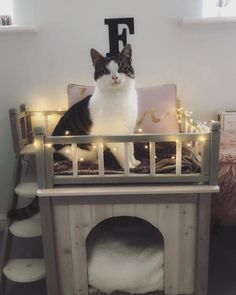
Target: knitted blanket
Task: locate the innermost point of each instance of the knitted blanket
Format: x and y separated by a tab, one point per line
165	161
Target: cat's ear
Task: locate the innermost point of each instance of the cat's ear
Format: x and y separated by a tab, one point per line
96	57
127	52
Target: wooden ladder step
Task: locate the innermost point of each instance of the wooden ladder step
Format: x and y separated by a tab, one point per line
28	149
28	228
25	270
26	189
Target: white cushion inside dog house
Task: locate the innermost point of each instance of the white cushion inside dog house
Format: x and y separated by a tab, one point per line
125	254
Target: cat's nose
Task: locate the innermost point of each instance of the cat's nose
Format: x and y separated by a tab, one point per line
114	77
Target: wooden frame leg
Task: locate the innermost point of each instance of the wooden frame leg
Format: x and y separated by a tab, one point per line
202	250
49	246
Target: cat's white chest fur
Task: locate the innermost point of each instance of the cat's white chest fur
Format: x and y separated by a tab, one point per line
113	112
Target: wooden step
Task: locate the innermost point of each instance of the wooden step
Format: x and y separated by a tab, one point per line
26	189
28	149
28	228
25	270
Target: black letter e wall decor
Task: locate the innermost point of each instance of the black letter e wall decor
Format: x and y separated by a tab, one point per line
114	36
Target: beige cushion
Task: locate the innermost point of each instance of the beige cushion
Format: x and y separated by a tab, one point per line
157	107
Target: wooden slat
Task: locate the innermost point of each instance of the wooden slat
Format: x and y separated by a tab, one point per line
15	131
123	210
49	168
126	138
149	212
46	124
187	248
101	159
205	158
125	199
63	250
196	149
169	226
78	247
214	152
152	154
178	157
49	247
202	245
100	213
74	159
126	157
40	157
137	179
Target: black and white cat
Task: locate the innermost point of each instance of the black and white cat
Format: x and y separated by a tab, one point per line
111	110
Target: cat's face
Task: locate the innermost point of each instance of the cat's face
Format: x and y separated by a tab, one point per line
113	73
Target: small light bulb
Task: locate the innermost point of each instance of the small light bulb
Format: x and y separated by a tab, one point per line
179	121
81	159
140	130
146	146
67	151
67	132
173	157
188	144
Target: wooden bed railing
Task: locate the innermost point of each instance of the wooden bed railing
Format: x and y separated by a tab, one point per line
202	139
208	157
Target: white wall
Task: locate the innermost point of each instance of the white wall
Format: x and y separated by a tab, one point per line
35	68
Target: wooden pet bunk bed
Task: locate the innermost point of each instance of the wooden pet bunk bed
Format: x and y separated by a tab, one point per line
73	202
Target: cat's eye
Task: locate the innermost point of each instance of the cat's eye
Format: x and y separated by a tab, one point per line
122	68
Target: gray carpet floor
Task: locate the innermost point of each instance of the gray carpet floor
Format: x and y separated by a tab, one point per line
222	269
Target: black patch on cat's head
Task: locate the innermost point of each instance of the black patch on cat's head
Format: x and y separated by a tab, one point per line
124	61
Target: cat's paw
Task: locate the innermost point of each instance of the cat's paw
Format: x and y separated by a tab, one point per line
134	164
137	162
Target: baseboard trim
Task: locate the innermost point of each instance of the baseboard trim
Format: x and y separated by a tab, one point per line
3	221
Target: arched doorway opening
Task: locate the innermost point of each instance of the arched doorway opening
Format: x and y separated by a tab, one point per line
125	254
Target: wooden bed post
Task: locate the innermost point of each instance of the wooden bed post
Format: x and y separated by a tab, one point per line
202	244
214	152
40	157
49	248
